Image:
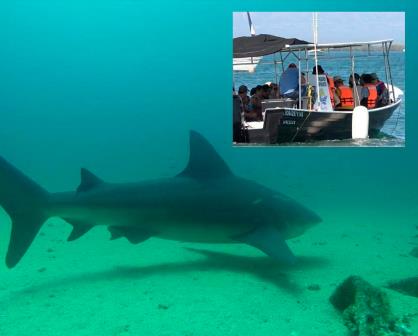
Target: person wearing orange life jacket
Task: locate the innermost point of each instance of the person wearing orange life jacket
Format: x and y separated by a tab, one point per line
367	81
344	95
359	92
331	85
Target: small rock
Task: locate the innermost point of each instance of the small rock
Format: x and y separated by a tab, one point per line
314	287
162	306
50	250
42	269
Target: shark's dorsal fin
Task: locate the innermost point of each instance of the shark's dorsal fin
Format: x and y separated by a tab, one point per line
88	180
204	161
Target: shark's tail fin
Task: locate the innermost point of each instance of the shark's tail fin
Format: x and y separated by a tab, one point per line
25	202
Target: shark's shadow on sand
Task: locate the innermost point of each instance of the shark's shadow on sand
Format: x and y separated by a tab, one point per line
261	267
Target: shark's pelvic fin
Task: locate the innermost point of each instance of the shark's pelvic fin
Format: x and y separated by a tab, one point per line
204	161
25	202
88	180
79	229
134	235
269	240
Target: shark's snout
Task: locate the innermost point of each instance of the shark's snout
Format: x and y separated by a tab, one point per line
314	218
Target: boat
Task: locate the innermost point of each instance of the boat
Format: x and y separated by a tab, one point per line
248	64
312	118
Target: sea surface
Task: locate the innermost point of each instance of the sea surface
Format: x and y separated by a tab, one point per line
338	63
116	87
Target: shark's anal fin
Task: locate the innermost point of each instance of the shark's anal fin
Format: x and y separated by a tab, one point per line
79	228
134	235
88	180
204	161
269	240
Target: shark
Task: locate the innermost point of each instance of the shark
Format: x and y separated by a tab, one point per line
204	203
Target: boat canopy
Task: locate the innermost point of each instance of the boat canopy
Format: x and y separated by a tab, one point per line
262	45
311	46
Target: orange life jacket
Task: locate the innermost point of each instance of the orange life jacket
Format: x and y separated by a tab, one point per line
331	89
346	97
372	100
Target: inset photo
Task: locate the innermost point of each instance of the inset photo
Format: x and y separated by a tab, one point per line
319	79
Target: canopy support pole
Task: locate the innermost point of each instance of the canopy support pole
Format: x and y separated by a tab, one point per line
315	36
387	48
353	79
386	65
300	81
275	70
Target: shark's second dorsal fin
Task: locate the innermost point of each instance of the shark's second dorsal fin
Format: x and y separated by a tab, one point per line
88	180
204	161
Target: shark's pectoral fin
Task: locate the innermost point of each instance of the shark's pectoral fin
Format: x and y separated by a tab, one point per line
134	235
79	229
269	240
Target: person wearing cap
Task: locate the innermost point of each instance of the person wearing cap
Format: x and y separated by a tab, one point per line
289	82
382	91
344	99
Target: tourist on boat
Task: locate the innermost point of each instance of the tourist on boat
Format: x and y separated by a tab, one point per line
382	91
318	70
303	84
236	118
344	99
289	82
255	113
359	91
274	94
265	93
367	81
245	99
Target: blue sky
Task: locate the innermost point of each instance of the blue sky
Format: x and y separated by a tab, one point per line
333	26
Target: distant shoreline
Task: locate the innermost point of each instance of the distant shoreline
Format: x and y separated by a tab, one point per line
395	47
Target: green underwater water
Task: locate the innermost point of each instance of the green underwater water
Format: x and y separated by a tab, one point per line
115	87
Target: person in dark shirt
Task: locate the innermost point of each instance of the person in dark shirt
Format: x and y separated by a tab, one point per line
245	99
382	91
255	105
266	90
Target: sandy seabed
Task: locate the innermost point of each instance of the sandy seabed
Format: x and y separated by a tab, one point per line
94	286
